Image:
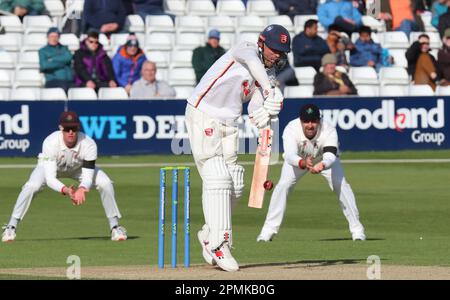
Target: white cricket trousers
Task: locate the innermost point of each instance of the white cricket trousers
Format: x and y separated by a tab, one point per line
36	183
336	180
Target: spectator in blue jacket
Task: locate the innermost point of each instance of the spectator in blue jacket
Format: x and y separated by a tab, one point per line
127	63
149	7
308	47
366	51
438	9
293	8
341	13
105	16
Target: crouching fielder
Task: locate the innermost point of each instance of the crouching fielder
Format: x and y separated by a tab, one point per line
68	153
311	145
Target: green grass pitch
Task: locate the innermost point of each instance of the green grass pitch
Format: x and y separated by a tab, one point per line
398	203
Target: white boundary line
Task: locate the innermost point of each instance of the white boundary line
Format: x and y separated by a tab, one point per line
246	163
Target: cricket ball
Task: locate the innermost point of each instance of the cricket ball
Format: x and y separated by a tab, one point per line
268	185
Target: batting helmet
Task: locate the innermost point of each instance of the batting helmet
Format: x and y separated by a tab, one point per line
276	37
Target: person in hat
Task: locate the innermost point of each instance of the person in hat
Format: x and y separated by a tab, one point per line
444	59
331	82
127	62
55	61
245	73
68	153
311	145
204	57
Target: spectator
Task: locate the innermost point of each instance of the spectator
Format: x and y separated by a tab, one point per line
308	48
129	7
439	8
341	13
149	7
366	52
127	62
331	82
401	15
55	61
105	16
93	67
296	7
360	6
204	57
444	59
22	8
444	21
421	64
338	43
148	86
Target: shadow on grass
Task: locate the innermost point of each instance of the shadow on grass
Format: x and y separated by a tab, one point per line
309	263
83	238
349	239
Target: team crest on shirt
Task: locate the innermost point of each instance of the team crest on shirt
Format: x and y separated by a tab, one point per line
283	38
246	87
209	131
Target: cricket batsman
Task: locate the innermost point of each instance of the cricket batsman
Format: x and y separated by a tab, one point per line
68	153
244	73
311	145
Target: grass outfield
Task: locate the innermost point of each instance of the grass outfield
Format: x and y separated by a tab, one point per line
404	208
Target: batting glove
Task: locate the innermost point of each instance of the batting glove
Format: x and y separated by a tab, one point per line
274	102
260	118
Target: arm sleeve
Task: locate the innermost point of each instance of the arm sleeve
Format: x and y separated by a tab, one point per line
109	68
290	148
80	68
48	158
248	56
328	159
323	16
64	58
256	101
87	177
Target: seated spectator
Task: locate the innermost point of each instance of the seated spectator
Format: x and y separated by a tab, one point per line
148	86
331	82
341	13
22	8
366	52
360	6
338	43
444	60
444	21
204	57
292	8
55	61
401	15
104	16
127	62
421	64
308	47
149	7
438	9
93	67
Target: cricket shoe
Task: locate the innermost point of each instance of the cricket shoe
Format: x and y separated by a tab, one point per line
358	236
222	256
203	239
118	233
9	234
265	236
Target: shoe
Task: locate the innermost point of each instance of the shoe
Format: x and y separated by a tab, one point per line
358	236
265	236
9	234
118	233
203	239
222	256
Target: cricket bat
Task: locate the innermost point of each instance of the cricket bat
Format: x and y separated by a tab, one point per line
261	168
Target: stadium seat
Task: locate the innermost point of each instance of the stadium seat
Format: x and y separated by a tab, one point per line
181	59
394	40
11	42
117	93
368	90
420	90
162	23
189	24
300	20
175	7
158	41
183	92
134	23
53	94
12	24
5	78
116	40
399	57
162	74
34	41
232	8
28	78
21	94
39	24
374	24
202	8
443	90
363	75
284	21
28	60
261	8
426	18
189	41
250	24
227	40
301	91
393	76
70	40
104	40
182	76
305	75
7	60
435	39
221	23
55	8
160	58
82	94
4	94
246	36
393	90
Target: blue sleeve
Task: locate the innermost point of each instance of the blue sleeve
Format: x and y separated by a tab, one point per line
117	70
324	19
357	16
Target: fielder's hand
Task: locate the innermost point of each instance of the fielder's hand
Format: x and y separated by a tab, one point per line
309	162
79	196
317	168
274	102
260	118
68	191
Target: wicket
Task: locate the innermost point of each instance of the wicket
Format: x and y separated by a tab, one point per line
162	200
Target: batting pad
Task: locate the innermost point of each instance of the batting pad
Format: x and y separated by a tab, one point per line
217	189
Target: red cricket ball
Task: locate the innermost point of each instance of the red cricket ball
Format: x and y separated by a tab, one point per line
268	185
